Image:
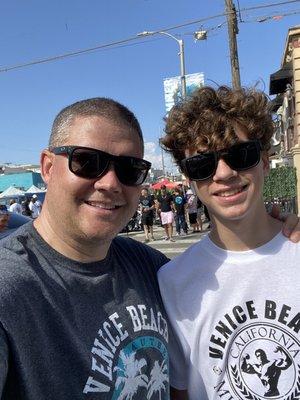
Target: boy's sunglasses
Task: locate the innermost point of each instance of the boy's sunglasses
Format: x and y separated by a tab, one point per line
92	163
239	157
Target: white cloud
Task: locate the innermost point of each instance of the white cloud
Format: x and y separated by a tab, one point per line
153	153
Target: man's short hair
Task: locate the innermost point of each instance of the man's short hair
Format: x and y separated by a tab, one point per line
98	106
208	117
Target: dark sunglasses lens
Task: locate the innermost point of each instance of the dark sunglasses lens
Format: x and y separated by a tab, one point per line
200	167
131	171
243	156
87	163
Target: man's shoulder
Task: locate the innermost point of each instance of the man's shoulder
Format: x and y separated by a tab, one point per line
15	268
14	245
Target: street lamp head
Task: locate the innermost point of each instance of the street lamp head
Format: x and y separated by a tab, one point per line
200	35
145	33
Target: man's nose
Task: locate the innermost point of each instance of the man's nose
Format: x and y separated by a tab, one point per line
109	180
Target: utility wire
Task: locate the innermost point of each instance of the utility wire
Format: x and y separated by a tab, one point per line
134	38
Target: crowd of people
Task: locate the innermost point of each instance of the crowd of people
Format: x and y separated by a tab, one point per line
87	314
180	206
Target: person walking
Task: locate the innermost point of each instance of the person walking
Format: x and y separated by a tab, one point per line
180	210
165	209
34	206
192	209
147	207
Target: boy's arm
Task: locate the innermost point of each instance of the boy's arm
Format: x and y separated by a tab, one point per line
176	394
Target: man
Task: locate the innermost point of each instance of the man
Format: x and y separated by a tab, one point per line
180	208
147	207
35	206
236	291
80	311
165	208
15	207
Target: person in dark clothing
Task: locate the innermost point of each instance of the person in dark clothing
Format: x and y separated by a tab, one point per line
147	207
25	206
165	207
180	209
81	313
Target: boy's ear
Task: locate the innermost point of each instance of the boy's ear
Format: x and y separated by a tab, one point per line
266	163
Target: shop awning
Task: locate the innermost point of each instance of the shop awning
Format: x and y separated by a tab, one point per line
280	78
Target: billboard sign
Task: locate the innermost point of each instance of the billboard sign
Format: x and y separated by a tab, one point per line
172	88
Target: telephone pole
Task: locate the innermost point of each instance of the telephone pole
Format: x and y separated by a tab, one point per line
233	30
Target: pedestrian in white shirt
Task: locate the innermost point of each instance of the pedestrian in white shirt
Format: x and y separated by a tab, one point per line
35	206
15	207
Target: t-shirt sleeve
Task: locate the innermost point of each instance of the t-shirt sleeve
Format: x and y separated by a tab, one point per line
178	349
178	367
3	359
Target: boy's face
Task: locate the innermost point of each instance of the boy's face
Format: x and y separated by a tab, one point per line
229	194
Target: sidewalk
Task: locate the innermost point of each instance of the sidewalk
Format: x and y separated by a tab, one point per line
170	249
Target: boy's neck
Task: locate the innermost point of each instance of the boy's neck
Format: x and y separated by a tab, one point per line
247	233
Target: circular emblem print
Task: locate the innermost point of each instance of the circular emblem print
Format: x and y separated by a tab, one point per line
262	363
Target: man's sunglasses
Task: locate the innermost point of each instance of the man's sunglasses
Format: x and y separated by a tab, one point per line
92	163
239	157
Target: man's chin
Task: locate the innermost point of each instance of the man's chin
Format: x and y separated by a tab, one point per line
99	235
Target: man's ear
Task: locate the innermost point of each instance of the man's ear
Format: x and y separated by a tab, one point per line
266	163
47	159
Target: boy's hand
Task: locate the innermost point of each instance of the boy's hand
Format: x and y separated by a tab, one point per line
291	226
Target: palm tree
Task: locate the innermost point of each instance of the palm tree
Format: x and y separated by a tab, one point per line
132	378
158	377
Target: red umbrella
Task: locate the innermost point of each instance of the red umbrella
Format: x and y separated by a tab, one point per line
168	184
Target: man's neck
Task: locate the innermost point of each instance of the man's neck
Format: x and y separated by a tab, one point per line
78	250
244	234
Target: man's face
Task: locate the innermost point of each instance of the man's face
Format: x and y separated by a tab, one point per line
144	193
91	209
229	194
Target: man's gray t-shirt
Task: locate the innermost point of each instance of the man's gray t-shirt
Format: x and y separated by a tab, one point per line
71	330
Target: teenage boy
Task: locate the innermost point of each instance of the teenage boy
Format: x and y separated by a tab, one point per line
232	298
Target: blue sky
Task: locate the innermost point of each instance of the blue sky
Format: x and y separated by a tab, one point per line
132	74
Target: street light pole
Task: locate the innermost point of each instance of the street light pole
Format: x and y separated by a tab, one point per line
181	56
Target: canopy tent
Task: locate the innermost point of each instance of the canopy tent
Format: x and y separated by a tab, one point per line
168	184
35	189
12	192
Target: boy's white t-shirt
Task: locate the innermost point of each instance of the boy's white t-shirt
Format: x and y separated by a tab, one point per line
237	318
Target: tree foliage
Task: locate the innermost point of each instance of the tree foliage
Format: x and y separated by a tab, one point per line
281	184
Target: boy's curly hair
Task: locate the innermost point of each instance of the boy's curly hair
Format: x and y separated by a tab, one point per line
208	117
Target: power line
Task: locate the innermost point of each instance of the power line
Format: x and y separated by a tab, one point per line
131	39
270	5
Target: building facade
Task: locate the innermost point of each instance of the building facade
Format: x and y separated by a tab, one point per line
285	84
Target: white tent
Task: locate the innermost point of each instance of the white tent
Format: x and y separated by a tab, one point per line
12	192
34	189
